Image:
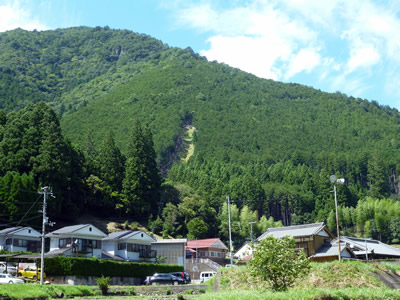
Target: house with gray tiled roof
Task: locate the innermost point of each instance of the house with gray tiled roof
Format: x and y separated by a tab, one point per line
371	249
309	237
83	240
130	245
20	239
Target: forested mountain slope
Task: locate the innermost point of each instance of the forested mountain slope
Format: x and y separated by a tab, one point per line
270	145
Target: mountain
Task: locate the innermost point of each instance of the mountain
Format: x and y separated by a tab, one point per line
280	139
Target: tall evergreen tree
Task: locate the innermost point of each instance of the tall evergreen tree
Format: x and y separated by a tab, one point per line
111	163
141	185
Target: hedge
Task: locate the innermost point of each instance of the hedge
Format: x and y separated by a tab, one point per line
61	265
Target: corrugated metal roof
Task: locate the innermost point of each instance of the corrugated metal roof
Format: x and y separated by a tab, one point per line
295	231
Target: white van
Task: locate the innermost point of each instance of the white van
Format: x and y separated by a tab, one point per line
204	276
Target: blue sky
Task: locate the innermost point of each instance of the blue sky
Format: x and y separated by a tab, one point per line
351	46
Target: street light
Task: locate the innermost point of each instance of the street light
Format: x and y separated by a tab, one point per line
335	181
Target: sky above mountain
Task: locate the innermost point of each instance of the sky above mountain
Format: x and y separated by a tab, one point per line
332	45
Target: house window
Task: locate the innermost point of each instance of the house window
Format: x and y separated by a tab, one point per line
138	247
8	241
121	246
64	243
20	243
203	254
29	231
90	228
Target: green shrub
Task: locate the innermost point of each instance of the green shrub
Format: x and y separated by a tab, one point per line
132	292
168	292
64	266
202	291
103	283
180	297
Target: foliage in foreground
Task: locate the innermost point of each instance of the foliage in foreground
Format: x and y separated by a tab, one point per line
350	293
103	284
22	291
329	275
277	262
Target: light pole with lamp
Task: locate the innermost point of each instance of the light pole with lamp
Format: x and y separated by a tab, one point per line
335	181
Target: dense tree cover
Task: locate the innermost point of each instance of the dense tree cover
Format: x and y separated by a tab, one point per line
270	146
34	153
71	66
376	218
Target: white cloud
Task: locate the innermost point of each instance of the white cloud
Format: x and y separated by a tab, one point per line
256	37
16	14
362	56
305	60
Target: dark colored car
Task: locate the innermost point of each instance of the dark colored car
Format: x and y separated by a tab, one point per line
184	275
162	278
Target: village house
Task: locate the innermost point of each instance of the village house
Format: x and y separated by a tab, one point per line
20	239
84	240
130	246
213	249
315	240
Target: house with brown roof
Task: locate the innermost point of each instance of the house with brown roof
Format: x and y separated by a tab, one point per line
213	249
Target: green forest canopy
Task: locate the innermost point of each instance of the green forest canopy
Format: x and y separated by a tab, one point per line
270	145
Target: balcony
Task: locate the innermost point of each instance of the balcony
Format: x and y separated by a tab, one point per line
81	249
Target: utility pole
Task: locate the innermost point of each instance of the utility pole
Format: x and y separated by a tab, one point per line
251	230
337	224
45	221
43	233
230	231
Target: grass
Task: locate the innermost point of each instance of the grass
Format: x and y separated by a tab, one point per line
189	141
333	280
21	291
351	293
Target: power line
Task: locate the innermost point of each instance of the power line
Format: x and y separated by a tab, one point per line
29	209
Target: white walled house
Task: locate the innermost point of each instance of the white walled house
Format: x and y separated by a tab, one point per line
20	239
83	240
130	246
244	252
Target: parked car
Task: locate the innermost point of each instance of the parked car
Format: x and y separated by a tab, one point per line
11	269
184	275
163	278
8	278
204	276
30	272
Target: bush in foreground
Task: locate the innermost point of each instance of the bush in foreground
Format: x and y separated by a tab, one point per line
277	261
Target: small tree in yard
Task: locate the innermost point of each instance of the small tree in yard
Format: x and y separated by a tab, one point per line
103	283
277	261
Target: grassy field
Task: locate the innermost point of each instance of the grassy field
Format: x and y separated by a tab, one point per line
21	291
346	280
